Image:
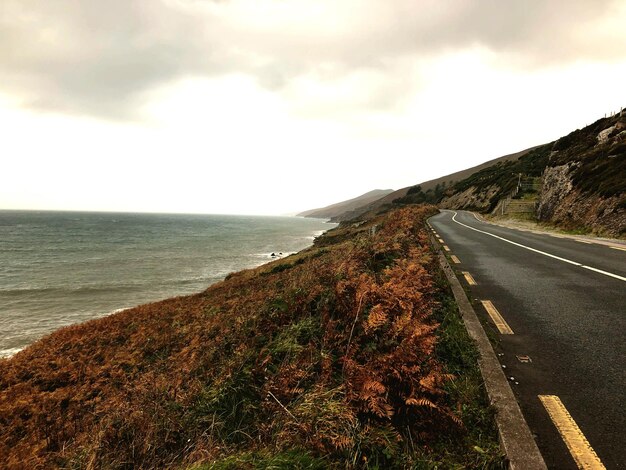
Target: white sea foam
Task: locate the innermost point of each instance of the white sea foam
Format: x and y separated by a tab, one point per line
315	235
9	352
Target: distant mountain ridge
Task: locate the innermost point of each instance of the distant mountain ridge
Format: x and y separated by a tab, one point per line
335	210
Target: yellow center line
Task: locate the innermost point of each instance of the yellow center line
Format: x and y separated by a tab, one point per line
498	320
618	248
470	280
576	442
445	247
455	259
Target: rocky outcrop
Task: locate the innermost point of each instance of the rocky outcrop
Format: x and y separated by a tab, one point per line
471	198
557	185
565	206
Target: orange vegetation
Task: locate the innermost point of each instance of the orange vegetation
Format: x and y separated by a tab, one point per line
329	351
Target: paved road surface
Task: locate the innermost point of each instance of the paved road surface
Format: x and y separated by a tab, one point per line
565	302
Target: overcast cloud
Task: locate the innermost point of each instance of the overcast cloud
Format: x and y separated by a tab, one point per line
273	106
99	58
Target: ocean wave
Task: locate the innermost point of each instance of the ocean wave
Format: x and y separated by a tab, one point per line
106	288
54	273
10	351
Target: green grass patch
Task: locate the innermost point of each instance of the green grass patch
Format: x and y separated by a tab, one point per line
478	447
296	459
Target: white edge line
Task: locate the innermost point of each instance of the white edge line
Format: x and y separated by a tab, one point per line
603	272
565	260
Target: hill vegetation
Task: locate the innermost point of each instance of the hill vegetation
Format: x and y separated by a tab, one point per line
350	354
428	187
599	154
495	181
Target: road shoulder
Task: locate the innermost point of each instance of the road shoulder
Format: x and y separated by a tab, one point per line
535	228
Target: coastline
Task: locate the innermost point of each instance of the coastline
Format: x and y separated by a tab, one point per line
303	351
19	334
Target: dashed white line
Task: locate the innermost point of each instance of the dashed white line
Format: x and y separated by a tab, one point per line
550	255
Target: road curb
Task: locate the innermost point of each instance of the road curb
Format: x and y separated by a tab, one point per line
515	436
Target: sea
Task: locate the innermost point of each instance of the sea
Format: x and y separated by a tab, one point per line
61	268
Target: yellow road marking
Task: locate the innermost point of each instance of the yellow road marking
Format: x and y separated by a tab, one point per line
618	248
445	247
455	259
470	280
576	442
501	324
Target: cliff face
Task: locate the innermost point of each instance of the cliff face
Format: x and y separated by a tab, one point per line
471	198
575	210
584	183
557	184
564	205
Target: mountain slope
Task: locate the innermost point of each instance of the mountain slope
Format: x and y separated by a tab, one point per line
339	208
444	181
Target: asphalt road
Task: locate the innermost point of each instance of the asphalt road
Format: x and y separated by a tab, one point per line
570	319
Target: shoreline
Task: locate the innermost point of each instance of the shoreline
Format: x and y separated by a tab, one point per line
261	259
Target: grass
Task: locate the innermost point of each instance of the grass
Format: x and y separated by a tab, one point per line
296	459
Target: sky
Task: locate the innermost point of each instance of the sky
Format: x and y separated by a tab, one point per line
278	106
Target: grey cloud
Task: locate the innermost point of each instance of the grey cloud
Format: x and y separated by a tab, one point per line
98	58
80	57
